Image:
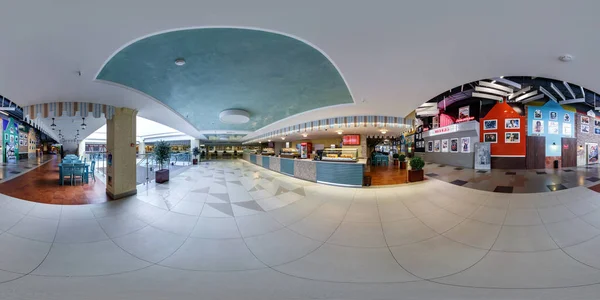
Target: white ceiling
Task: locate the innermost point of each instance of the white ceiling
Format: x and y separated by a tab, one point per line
68	126
395	55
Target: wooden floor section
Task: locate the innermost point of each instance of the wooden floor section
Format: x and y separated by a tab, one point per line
42	185
386	175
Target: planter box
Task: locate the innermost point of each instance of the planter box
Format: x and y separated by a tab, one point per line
195	161
395	162
403	165
415	175
162	176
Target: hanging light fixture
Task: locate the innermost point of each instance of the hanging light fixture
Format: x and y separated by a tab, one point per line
53	125
59	134
83	125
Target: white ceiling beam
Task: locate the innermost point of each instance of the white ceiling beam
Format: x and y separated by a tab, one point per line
487	96
491	91
496	86
507	82
8	108
571	101
569	89
582	92
557	91
545	92
530	94
519	92
538	97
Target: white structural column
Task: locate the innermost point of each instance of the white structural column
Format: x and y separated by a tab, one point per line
120	148
142	147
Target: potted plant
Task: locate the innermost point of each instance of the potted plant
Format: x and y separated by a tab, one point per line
195	152
416	169
402	160
162	153
395	156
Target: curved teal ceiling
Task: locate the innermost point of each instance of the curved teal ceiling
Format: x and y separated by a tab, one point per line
270	75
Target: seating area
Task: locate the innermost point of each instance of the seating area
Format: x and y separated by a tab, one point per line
75	169
379	159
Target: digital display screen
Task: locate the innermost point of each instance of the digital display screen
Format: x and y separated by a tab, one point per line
351	140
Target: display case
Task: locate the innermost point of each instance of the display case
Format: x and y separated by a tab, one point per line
289	153
268	151
340	154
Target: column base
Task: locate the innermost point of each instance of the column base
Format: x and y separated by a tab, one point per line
121	195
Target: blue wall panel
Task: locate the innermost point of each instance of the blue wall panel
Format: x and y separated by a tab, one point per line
253	158
287	166
540	118
340	173
265	162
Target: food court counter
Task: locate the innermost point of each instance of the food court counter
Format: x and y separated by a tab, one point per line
348	174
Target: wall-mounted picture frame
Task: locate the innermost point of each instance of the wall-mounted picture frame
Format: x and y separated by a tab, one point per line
567	118
512	137
430	146
537	114
465	144
491	137
490	124
537	126
444	145
585	120
454	145
585	128
512	123
436	146
553	116
553	127
566	129
463	112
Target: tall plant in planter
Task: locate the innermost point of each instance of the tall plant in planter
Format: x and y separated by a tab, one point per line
416	169
195	152
162	152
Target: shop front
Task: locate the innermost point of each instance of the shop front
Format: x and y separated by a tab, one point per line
451	145
504	129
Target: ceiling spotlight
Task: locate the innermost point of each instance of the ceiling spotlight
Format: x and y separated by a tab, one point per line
269	141
304	135
283	137
53	125
180	61
340	132
383	131
566	57
83	125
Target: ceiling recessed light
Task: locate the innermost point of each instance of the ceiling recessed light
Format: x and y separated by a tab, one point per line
566	57
383	131
283	137
340	132
304	135
180	61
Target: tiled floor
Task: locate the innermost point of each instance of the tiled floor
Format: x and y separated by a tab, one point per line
232	230
41	185
515	181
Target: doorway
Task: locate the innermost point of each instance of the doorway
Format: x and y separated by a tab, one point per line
569	152
536	152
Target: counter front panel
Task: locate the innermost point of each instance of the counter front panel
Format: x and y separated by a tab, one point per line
287	166
334	173
346	174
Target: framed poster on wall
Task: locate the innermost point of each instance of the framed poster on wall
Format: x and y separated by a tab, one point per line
592	153
490	124
491	137
512	123
454	145
430	146
566	129
465	145
463	112
436	146
444	145
538	126
552	127
585	124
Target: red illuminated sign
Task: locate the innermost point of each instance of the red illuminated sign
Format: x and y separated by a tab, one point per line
465	119
350	140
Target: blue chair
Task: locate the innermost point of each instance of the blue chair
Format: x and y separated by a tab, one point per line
78	171
67	171
92	169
